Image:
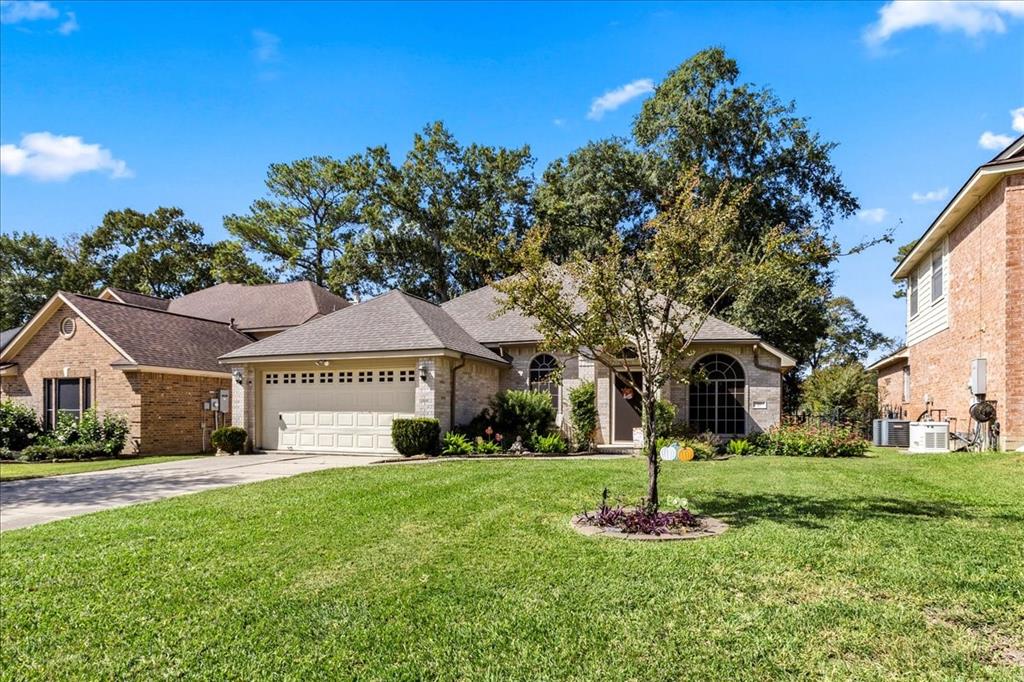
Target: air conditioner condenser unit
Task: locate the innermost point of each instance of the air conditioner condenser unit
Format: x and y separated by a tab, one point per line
929	437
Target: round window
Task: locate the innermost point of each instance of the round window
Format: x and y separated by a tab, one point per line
67	327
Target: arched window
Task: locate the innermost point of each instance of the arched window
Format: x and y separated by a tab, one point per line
717	398
543	376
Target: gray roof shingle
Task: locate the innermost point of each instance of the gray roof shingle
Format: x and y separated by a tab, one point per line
160	339
477	312
263	306
395	321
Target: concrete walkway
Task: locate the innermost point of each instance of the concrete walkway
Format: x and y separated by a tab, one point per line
39	500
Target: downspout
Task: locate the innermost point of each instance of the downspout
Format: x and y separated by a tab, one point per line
451	390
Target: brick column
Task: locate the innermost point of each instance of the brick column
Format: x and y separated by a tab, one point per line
243	403
433	393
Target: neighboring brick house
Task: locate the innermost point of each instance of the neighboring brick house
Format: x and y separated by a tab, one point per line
338	382
965	302
152	360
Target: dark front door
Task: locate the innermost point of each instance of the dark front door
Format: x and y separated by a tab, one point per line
626	406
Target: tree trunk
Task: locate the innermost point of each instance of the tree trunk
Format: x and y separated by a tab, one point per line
650	448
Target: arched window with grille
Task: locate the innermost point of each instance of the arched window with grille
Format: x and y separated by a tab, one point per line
717	396
543	376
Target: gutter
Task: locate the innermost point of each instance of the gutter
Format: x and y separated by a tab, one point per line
451	391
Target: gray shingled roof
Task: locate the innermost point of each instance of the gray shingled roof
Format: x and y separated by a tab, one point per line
262	306
395	321
476	312
153	337
144	300
8	334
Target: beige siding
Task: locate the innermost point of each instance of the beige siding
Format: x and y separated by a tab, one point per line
932	313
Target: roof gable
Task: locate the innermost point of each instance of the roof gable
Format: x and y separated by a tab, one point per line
392	322
134	298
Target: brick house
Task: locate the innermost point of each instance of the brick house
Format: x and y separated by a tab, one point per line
153	360
965	303
336	383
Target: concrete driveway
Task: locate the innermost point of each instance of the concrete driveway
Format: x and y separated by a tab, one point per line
34	501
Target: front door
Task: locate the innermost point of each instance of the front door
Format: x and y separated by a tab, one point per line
626	407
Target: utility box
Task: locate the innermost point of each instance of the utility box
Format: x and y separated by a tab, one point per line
979	376
225	399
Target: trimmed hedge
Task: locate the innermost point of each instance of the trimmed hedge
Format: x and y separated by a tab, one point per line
418	436
230	439
79	451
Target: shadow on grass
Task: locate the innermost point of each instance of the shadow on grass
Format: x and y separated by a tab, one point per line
816	512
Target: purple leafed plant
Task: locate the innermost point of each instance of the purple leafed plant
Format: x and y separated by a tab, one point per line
639	519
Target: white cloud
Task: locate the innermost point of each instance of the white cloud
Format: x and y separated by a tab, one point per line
928	197
613	99
69	25
47	157
872	215
267	46
1018	119
17	11
971	17
560	122
990	140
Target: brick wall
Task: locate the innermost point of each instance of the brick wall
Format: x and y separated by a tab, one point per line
85	354
1012	417
979	323
433	394
475	384
173	419
890	388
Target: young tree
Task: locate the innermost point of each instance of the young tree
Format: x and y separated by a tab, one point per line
441	222
650	301
737	135
306	223
160	253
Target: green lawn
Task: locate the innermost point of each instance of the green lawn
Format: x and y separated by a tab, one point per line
11	471
888	567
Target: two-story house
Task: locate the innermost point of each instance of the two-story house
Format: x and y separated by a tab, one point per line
965	308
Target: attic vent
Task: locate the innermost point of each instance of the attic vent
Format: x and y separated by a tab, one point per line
67	327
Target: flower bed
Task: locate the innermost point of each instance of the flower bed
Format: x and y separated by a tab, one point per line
801	440
641	523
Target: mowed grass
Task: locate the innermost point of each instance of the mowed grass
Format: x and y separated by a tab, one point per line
887	567
12	471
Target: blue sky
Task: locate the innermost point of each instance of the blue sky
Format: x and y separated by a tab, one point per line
186	104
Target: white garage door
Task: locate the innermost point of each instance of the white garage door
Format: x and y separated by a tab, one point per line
335	411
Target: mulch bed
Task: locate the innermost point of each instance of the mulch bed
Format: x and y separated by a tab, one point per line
709	527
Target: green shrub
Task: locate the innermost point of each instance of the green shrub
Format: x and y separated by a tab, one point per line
583	403
664	418
115	433
486	447
738	446
78	451
455	444
418	436
229	439
550	444
19	427
802	440
514	414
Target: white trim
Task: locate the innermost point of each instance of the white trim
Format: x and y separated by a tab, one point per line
111	295
956	210
888	360
11	371
155	369
364	355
